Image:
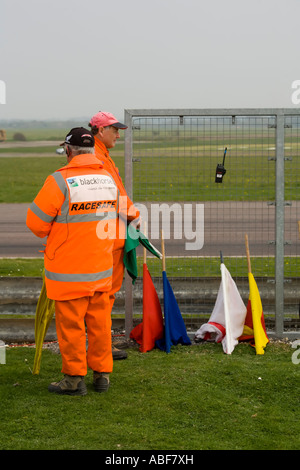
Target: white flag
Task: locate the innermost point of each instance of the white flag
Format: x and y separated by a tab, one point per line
227	320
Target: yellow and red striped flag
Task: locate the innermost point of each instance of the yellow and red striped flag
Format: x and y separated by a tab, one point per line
254	328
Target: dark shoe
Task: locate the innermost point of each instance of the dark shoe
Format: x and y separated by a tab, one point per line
101	381
118	354
69	385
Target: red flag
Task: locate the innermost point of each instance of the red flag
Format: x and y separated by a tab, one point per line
151	328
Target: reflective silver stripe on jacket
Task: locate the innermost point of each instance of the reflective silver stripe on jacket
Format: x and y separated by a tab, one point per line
64	189
89	277
39	213
59	179
94	217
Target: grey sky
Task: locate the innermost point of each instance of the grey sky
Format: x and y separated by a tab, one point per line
67	58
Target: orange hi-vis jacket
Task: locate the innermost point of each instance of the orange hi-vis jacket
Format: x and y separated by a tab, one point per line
74	209
127	210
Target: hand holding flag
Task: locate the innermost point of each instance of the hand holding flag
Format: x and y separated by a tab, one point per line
133	238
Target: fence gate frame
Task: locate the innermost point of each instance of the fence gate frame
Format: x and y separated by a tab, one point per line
279	114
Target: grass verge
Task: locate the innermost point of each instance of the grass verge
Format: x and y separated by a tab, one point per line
176	267
22	178
195	398
161	178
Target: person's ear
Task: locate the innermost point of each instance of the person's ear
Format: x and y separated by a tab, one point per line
100	131
69	154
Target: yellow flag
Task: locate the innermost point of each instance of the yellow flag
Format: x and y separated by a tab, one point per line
260	337
44	313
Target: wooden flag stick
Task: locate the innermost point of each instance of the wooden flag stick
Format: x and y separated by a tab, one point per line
248	253
299	227
163	251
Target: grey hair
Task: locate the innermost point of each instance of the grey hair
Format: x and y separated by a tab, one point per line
76	150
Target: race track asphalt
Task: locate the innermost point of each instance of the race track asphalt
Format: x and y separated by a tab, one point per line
225	225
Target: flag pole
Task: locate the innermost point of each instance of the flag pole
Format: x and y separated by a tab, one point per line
228	336
299	227
174	327
248	253
163	251
145	250
260	336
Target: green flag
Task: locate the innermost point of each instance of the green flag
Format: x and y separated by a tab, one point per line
134	237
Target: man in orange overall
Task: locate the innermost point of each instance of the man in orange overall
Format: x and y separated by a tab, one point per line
105	128
73	209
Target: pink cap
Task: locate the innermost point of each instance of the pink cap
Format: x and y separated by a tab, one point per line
103	119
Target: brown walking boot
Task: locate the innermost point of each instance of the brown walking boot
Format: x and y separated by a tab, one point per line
69	385
118	353
101	381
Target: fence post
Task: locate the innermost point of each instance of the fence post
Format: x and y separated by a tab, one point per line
128	186
279	226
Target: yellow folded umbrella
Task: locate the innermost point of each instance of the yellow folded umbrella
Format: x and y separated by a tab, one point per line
44	313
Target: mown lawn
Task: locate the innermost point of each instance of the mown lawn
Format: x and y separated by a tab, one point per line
177	267
163	173
195	398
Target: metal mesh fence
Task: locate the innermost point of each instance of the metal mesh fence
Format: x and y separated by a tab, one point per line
173	161
292	216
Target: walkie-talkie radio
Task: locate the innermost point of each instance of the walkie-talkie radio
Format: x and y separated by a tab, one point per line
220	170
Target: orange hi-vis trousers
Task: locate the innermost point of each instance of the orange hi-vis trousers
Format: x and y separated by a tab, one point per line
117	276
71	317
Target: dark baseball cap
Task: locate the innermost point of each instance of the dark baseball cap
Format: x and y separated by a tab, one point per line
80	137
